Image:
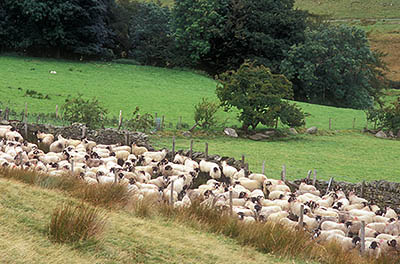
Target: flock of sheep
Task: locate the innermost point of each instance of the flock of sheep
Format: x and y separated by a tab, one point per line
148	175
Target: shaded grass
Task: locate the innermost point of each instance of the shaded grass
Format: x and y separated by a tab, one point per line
76	224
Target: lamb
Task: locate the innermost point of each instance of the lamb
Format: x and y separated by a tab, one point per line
250	185
346	243
308	188
322	235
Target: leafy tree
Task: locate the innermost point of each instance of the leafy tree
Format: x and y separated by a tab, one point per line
335	66
150	35
60	26
258	94
140	122
218	35
89	112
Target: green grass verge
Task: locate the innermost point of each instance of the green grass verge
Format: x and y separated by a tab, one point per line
25	212
347	156
339	9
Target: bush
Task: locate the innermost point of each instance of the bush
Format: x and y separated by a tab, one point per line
140	122
204	113
72	224
258	94
89	112
387	118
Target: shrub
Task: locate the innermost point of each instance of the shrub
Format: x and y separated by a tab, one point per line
140	122
204	113
72	224
258	94
89	112
386	117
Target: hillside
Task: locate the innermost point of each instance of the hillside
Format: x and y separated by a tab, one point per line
25	212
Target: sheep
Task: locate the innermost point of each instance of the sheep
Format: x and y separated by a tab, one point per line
303	187
390	213
322	235
155	155
44	138
59	145
136	150
356	200
211	168
378	227
346	243
240	174
227	170
180	159
330	225
276	217
192	164
250	185
372	249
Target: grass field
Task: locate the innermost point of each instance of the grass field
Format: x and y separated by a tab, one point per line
339	9
347	156
25	213
172	93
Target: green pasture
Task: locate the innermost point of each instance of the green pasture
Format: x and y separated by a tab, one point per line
169	92
340	9
346	156
341	152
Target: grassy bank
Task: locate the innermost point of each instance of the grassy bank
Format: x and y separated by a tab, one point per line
25	212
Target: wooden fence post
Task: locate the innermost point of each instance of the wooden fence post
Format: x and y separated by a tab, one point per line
362	189
314	177
180	122
72	166
57	111
330	123
206	151
26	112
231	202
263	168
172	194
173	147
301	218
120	118
126	135
162	122
191	149
283	173
115	178
243	160
354	122
329	184
6	114
84	132
308	176
362	236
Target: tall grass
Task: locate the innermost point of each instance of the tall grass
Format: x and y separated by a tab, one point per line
106	195
265	237
73	224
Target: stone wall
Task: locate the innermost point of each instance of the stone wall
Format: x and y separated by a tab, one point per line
78	131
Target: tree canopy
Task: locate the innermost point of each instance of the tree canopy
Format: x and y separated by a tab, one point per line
52	27
335	66
259	96
219	35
